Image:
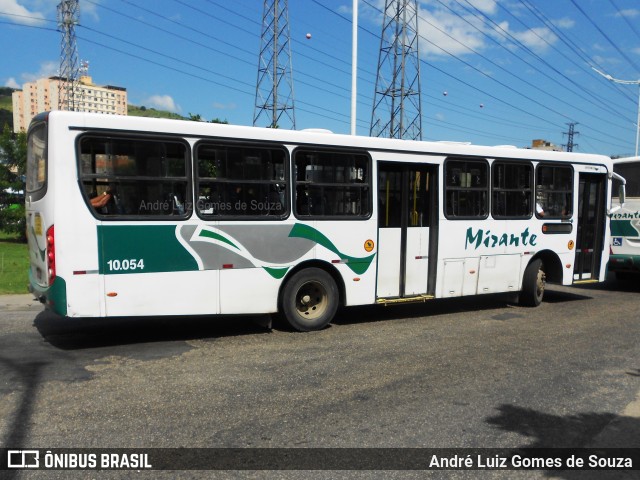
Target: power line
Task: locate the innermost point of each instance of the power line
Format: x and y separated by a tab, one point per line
604	34
469	85
626	20
505	34
575	47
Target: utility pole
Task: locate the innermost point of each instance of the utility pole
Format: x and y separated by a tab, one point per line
569	146
68	18
397	109
274	89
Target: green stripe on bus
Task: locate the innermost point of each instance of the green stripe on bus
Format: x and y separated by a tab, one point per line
57	296
142	249
276	272
357	265
623	228
217	236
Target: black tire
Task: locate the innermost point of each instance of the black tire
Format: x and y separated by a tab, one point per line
533	284
309	300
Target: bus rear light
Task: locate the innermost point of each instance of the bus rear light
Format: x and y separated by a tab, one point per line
51	254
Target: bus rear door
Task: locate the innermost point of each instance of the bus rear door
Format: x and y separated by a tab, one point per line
591	227
406	217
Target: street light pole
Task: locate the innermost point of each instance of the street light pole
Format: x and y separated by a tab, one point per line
626	82
354	66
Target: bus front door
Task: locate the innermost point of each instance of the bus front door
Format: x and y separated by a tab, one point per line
590	233
406	217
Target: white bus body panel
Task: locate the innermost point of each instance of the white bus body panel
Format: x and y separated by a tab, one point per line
469	260
417	261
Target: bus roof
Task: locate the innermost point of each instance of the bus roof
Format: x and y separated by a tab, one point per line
188	128
626	160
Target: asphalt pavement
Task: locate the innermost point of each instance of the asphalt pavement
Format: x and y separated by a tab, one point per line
617	434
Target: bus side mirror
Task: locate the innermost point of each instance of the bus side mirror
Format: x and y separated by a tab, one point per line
621	192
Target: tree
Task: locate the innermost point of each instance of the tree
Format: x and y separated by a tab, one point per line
196	117
13	161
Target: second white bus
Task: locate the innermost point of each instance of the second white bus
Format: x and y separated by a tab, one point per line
139	217
625	223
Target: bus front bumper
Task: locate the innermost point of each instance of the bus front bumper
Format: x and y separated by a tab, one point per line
624	263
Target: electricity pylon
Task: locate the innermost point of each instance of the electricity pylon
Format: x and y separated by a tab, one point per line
570	134
274	105
68	18
397	110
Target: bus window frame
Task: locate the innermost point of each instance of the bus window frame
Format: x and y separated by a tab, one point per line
572	190
241	143
506	161
187	201
447	188
368	185
41	191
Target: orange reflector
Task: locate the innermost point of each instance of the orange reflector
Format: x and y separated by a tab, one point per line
112	294
357	279
472	272
568	265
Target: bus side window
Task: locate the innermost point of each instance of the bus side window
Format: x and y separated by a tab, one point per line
466	188
332	184
240	181
554	191
142	177
511	189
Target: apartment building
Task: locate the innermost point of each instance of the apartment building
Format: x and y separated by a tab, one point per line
43	94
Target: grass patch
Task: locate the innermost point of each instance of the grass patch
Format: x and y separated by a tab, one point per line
14	265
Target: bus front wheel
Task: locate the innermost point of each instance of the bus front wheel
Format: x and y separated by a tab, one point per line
310	300
533	284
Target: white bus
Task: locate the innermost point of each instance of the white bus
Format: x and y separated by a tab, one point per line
133	216
625	223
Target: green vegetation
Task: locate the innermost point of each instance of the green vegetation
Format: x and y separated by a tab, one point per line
143	111
13	160
6	102
14	265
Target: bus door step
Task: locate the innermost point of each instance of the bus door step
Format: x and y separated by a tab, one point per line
397	300
582	282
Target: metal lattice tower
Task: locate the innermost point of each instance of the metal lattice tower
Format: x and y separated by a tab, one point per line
570	145
397	109
274	89
68	18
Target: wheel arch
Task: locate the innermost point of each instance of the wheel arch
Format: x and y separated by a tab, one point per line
327	267
552	265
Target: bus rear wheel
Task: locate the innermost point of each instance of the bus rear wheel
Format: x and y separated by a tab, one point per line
533	284
310	300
